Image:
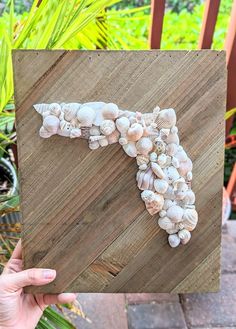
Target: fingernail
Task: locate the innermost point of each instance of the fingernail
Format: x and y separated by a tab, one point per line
49	274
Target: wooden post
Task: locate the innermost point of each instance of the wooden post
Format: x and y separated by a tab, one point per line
230	47
208	24
157	17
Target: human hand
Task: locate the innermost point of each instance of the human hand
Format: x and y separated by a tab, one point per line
17	309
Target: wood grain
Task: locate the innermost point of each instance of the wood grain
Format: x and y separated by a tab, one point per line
82	212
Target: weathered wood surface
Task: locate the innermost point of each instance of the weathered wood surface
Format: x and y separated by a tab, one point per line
82	212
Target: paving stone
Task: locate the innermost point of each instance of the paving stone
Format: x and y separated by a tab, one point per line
106	311
151	298
228	259
156	316
231	227
212	309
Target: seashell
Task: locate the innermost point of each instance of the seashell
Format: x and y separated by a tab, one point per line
149	118
65	125
107	127
110	111
162	213
134	132
70	111
181	155
103	142
190	219
123	141
159	146
165	223
144	146
76	132
189	175
96	138
94	131
171	174
168	203
64	133
113	137
55	109
170	193
172	138
85	132
184	236
166	118
175	213
157	170
42	108
174	130
130	149
161	160
175	162
86	116
44	133
142	159
145	180
171	149
173	240
122	125
51	124
153	201
160	185
153	157
150	131
164	133
185	167
94	145
181	191
189	198
143	166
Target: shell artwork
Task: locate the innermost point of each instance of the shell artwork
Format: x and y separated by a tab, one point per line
164	174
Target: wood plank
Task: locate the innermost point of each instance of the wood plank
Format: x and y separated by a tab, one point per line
78	215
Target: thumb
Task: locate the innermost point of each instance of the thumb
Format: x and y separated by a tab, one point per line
32	277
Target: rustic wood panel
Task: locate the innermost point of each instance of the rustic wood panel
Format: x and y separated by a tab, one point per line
82	212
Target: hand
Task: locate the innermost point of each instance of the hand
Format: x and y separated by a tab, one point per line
17	309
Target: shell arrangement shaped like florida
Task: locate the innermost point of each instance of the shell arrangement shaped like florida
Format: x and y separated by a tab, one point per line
164	169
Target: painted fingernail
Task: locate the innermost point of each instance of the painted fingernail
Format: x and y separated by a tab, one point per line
49	274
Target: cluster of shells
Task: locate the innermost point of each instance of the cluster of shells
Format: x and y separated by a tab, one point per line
164	169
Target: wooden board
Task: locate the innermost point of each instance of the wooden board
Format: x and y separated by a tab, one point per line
82	212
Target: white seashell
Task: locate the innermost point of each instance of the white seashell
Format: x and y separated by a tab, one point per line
107	127
51	124
171	174
76	132
175	162
166	118
110	111
165	223
42	108
173	240
143	166
134	132
65	125
185	167
55	109
123	141
145	179
181	191
153	201
44	133
184	236
175	213
164	133
149	118
171	149
94	145
174	130
103	142
161	160
144	146
168	203
162	213
190	219
70	111
153	157
64	133
157	170
96	138
86	116
189	175
170	193
160	185
94	131
113	137
122	125
172	138
189	198
142	159
130	149
181	155
159	146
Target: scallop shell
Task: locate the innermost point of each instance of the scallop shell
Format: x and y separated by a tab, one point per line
76	132
165	223
55	109
142	159
51	124
70	111
130	149
44	133
184	236
42	108
113	137
160	185
144	146
157	170
122	125
190	219
107	127
110	111
145	179
175	213
134	132
166	118
173	240
86	116
189	198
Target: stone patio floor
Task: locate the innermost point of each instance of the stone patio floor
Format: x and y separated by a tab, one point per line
172	311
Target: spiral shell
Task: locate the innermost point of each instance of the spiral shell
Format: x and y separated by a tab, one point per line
110	111
86	116
190	219
134	132
42	109
166	118
142	159
173	240
107	127
145	179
